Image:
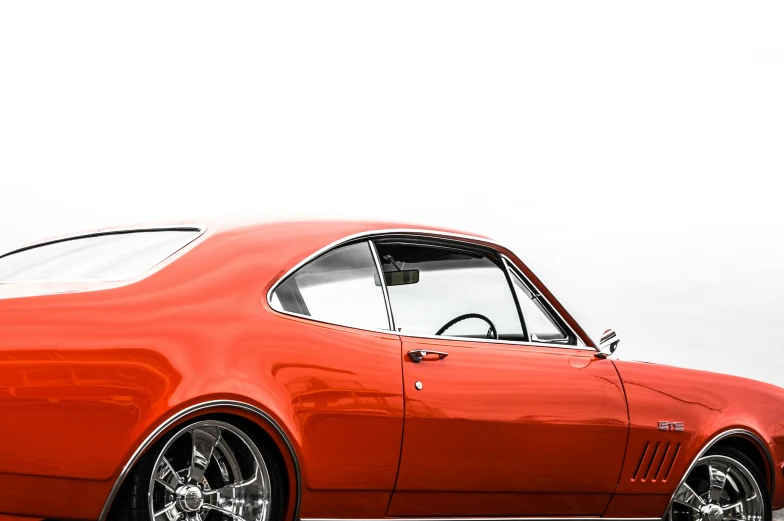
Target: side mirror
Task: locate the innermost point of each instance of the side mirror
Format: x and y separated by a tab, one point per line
608	344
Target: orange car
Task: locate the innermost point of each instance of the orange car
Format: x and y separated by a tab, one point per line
347	370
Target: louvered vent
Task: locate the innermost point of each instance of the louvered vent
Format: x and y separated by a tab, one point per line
656	461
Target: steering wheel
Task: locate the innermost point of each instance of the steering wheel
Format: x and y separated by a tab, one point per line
454	321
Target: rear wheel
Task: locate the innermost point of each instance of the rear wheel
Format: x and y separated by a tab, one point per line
724	485
209	470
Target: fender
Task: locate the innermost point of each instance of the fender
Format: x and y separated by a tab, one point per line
743	433
204	407
710	408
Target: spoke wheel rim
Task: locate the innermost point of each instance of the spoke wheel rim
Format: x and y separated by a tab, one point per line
718	488
209	471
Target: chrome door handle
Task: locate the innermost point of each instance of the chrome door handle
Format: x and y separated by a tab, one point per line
418	355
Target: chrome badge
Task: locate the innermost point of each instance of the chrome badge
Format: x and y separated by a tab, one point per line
671	426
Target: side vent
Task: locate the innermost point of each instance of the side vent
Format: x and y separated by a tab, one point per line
656	461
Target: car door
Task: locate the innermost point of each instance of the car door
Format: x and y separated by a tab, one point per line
496	425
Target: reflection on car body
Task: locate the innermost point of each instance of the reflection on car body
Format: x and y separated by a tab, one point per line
347	370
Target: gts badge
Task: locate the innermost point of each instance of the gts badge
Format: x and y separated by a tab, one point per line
671	426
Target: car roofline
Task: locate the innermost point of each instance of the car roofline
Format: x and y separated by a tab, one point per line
434	233
199	228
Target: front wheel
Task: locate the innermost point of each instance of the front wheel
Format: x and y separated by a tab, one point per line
724	485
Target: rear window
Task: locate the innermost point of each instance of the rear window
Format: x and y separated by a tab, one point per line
104	257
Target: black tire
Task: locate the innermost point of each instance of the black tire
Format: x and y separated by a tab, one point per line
131	502
756	472
727	461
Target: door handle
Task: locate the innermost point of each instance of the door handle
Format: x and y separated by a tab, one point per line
419	355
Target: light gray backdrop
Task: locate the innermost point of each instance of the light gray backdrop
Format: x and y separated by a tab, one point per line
631	153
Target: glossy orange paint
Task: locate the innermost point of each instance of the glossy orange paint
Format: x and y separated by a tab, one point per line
708	404
512	421
88	372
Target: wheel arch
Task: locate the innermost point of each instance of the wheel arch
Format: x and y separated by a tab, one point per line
221	407
756	452
743	440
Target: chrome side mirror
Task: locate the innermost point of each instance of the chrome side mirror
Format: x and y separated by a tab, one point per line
608	344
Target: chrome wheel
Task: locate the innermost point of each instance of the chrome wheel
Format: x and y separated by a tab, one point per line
719	488
209	471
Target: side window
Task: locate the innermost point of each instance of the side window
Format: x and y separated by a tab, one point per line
431	286
537	319
341	287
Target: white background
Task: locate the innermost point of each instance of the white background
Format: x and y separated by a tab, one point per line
631	153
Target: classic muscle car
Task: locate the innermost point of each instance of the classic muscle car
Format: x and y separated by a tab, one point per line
347	370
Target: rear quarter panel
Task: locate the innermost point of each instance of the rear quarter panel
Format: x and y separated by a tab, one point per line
85	377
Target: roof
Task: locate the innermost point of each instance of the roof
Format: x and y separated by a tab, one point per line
294	227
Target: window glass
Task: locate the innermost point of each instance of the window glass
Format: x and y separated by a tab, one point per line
341	287
109	257
537	320
430	286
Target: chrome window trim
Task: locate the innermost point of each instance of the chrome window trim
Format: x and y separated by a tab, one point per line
112	231
439	337
316	321
511	274
726	434
502	342
381	278
199	231
376	263
520	314
434	234
516	271
163	427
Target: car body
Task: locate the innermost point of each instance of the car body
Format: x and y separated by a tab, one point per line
94	374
